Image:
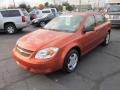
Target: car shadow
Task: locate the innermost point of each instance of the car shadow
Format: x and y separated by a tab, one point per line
116	27
18	33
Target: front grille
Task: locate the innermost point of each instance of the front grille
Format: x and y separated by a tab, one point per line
23	52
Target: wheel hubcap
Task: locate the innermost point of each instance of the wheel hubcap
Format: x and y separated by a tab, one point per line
10	29
42	24
107	38
73	61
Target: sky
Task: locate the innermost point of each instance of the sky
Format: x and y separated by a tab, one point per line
36	2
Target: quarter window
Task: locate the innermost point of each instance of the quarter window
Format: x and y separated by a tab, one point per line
10	13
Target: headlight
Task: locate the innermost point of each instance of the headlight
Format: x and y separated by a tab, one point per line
46	53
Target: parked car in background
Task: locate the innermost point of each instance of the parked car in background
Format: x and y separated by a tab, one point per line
50	11
36	13
113	14
43	20
32	16
13	20
62	42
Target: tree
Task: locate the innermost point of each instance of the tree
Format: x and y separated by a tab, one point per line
11	6
24	6
46	4
41	6
68	6
59	8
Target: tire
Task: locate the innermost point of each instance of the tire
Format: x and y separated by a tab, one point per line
71	61
10	28
42	24
106	40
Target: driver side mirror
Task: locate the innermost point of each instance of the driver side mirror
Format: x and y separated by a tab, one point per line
88	29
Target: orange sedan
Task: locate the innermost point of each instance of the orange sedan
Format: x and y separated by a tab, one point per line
62	42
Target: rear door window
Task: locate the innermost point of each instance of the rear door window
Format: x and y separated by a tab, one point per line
100	19
10	13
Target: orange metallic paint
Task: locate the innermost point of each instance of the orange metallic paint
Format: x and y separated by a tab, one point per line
41	39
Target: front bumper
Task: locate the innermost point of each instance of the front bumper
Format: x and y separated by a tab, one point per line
36	66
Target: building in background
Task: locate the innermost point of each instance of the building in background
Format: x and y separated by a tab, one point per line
114	1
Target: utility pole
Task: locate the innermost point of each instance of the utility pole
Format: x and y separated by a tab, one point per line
79	5
54	2
88	2
14	3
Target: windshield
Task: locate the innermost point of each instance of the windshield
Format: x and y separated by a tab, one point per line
114	9
64	23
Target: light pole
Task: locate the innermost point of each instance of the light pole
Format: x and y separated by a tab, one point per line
79	5
14	3
54	2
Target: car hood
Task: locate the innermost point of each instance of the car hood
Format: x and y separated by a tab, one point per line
41	38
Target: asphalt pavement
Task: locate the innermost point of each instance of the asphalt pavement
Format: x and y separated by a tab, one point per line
98	70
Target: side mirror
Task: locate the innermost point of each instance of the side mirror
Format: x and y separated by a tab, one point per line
88	29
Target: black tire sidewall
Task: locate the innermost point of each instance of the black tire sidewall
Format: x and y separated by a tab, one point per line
66	61
12	25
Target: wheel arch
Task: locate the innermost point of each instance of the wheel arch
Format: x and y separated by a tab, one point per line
9	23
66	51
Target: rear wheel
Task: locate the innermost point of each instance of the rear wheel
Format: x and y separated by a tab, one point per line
10	28
71	61
42	24
107	39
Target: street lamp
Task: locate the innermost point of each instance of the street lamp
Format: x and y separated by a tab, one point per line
14	3
54	2
79	5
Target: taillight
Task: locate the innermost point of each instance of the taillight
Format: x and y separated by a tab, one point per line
23	19
34	17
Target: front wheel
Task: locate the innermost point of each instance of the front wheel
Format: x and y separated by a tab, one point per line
71	61
107	39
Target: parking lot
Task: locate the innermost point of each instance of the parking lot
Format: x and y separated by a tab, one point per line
98	70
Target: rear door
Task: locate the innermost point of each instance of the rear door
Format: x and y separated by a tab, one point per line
89	38
101	28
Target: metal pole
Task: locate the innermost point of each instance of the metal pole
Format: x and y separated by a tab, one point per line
79	5
54	2
14	3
